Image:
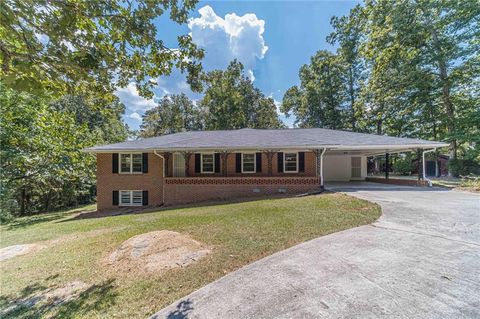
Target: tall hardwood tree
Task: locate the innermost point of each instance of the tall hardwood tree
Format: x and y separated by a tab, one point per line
319	100
348	34
174	113
232	102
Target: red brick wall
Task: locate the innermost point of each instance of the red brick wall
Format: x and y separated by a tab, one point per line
201	187
107	182
196	189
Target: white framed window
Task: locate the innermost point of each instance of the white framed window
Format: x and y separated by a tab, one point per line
207	163
290	162
130	163
249	162
131	198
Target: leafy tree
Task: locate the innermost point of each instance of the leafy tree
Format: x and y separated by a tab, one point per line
463	167
42	163
348	34
102	117
318	102
435	41
231	101
403	165
63	47
174	113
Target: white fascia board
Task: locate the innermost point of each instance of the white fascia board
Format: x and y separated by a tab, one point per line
388	147
284	147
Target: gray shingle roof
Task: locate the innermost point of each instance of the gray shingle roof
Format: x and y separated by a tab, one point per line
266	139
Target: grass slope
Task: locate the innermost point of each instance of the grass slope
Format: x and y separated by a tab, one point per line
239	232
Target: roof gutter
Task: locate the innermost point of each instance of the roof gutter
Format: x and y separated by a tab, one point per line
322	186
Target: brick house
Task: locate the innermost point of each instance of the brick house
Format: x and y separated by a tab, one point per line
205	165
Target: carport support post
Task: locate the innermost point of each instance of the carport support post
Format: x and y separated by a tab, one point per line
387	165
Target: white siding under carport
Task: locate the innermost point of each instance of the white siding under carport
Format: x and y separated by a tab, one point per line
338	168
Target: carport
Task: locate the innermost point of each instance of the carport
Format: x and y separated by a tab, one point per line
349	163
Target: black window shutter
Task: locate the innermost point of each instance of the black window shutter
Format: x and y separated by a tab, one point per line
216	163
259	162
280	162
238	162
145	198
301	161
115	163
197	163
145	162
115	198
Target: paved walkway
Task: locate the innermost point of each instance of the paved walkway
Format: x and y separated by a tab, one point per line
421	259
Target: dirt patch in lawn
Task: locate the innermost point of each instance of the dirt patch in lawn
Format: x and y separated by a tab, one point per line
48	297
18	250
155	252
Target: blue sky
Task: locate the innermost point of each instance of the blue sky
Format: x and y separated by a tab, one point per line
273	39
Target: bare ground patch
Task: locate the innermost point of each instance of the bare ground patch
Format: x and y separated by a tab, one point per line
18	250
155	252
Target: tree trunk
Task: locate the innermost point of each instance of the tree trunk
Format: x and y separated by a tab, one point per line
47	201
22	202
27	203
448	108
379	126
447	102
352	99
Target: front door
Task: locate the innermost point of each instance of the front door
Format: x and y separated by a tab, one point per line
356	167
178	165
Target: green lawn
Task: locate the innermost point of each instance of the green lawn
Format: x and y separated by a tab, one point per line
239	232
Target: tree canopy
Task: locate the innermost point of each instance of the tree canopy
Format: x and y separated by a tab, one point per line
63	47
174	113
231	101
43	166
318	101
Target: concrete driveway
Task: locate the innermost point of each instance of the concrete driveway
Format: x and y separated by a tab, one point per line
421	259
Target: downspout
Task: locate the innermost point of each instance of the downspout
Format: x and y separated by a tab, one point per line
424	167
322	187
163	175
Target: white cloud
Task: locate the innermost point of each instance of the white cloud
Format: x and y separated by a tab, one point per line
228	38
132	100
278	104
135	116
